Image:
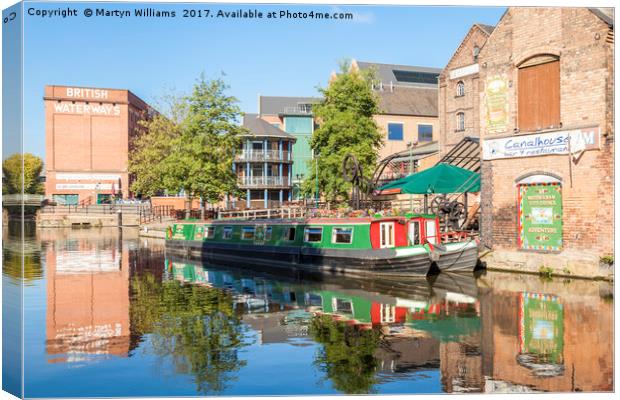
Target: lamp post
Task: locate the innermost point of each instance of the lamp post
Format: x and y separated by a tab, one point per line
316	174
411	146
300	178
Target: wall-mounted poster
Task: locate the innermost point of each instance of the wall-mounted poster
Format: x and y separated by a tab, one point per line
496	102
540	217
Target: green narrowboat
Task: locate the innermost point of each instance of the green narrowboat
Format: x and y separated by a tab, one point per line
387	245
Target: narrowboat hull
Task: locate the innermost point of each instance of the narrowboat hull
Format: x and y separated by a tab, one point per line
408	261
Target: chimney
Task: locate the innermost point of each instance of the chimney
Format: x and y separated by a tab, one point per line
391	86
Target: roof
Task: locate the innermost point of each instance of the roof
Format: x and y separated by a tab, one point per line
274	105
604	13
260	127
488	29
403	75
401	100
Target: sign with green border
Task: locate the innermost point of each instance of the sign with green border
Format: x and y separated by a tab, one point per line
541	327
540	217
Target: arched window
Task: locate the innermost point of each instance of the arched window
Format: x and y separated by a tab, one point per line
460	89
460	122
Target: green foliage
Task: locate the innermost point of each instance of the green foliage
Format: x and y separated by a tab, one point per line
346	126
190	149
545	272
194	327
607	259
12	174
347	356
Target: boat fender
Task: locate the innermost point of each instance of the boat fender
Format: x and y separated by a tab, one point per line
434	255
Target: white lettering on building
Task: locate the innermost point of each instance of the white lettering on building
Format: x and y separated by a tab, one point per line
95	109
85	92
84	186
76	176
464	71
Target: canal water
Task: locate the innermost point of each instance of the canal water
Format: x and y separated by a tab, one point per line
106	313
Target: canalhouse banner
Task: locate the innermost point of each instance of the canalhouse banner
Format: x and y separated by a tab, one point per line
541	327
542	144
540	217
496	102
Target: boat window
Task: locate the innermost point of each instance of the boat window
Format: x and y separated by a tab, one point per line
268	234
386	230
247	233
313	299
289	233
227	234
342	235
209	232
431	231
313	234
343	305
414	232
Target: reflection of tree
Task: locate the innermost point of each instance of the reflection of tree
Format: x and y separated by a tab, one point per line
14	248
347	354
194	326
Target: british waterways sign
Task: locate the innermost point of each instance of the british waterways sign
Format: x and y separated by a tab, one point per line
542	144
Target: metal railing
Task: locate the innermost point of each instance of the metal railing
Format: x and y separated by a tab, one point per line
262	155
157	214
19	199
306	110
288	212
260	181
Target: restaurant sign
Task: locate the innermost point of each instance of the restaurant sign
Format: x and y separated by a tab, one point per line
540	217
542	144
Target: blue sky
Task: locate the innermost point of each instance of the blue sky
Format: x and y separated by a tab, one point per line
267	57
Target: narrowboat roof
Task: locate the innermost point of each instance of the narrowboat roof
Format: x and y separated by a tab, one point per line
310	221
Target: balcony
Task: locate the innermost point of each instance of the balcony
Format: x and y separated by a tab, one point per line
264	182
263	156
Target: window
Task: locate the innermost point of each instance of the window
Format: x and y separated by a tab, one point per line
414	232
227	233
395	131
313	235
247	233
386	230
342	235
313	299
425	133
276	124
460	89
539	94
289	234
209	232
268	234
460	122
342	305
415	76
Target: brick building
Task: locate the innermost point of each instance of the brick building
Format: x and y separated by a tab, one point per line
87	139
546	130
459	88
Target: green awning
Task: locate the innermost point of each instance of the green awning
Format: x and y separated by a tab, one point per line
442	178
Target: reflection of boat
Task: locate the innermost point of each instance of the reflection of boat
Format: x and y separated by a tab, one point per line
391	246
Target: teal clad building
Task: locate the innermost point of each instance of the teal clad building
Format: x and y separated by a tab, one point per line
294	116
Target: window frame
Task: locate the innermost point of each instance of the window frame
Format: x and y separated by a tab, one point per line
460	128
402	133
286	234
209	231
460	89
268	234
432	131
307	237
243	232
227	229
334	234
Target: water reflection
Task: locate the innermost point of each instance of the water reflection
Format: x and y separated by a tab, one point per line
113	299
14	246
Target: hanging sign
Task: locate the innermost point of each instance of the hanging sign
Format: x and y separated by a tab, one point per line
540	217
542	144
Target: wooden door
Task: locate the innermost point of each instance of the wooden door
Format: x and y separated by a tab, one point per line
539	96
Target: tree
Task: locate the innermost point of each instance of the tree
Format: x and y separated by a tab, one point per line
192	148
346	126
12	174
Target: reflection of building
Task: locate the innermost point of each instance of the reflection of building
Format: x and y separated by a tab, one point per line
264	164
88	135
87	299
566	336
546	130
294	116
